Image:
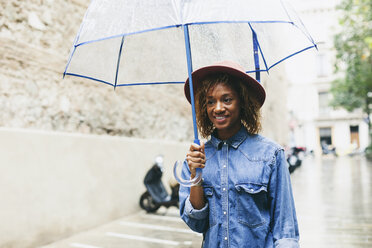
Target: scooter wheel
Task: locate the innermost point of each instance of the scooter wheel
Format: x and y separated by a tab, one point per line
147	203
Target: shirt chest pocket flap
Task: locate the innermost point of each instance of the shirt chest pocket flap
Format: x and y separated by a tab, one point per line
251	202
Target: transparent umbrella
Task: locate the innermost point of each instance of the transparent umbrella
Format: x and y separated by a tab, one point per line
130	42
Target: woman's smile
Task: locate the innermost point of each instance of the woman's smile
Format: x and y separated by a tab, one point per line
220	118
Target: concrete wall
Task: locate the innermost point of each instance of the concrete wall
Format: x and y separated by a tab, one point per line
54	184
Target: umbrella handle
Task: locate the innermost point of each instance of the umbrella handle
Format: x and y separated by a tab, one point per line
186	182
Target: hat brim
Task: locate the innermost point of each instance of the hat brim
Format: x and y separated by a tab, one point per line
199	75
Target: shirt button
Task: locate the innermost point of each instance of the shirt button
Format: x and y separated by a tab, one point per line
224	189
225	238
224	213
224	166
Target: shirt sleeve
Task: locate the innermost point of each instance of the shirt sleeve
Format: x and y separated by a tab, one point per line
284	226
199	214
196	219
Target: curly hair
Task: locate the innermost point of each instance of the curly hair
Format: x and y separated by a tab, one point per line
250	114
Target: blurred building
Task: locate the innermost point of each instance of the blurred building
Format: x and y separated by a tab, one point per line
312	121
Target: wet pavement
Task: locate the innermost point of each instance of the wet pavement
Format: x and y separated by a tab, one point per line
334	202
334	208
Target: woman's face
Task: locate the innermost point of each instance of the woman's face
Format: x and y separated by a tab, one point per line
223	108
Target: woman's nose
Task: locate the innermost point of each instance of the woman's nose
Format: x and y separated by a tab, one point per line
219	106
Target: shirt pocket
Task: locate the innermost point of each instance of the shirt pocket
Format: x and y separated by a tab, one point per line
251	202
210	197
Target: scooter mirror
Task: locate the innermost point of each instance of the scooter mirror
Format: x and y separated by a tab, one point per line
177	172
159	159
159	162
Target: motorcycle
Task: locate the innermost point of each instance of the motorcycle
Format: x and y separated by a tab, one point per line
156	195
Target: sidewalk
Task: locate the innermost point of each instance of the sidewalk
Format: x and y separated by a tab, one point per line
333	199
163	229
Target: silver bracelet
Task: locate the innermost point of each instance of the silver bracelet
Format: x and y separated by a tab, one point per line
199	183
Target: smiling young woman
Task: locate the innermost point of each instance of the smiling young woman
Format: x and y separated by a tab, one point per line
244	105
223	110
245	198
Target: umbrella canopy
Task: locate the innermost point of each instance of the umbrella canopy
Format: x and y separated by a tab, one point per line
131	42
115	45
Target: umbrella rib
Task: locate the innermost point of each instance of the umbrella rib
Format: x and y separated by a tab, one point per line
69	61
255	54
76	40
259	47
263	57
303	29
173	26
286	11
305	32
127	34
119	56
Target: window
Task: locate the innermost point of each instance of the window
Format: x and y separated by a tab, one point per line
324	107
354	136
325	135
323	66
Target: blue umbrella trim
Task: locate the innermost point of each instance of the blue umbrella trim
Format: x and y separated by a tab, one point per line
118	85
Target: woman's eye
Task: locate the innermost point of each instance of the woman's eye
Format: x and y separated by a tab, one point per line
227	100
210	102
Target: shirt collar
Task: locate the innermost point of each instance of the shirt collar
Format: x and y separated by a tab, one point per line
234	141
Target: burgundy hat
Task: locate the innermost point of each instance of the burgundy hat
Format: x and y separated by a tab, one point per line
231	68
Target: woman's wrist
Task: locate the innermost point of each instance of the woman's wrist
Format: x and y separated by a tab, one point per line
199	184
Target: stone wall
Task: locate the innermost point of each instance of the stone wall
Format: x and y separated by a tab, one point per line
35	38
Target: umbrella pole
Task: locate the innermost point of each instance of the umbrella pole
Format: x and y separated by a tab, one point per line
198	177
189	70
255	55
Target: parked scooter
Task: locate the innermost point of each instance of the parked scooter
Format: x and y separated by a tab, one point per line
294	157
156	194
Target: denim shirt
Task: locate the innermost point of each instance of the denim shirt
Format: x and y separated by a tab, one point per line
249	201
